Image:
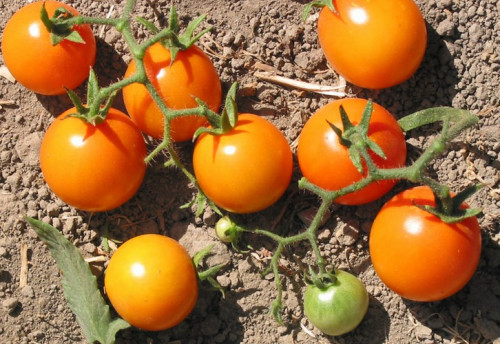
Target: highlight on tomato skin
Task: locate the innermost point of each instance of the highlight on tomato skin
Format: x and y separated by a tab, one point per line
151	282
93	168
417	255
37	64
373	44
325	161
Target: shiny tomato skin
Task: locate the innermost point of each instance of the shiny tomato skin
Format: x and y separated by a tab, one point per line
151	282
325	162
246	169
417	255
340	307
192	75
373	44
35	62
93	168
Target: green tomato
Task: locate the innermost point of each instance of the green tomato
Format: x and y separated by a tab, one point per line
339	307
224	229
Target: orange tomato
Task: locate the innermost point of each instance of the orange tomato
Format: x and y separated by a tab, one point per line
246	169
93	168
192	75
151	282
419	256
325	162
35	62
373	44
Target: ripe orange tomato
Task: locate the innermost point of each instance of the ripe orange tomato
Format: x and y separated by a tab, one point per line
416	254
35	62
373	44
93	168
325	162
151	282
246	169
191	75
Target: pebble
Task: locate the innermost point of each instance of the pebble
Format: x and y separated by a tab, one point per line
10	304
348	233
28	291
446	28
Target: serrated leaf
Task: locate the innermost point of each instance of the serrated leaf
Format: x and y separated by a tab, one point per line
80	287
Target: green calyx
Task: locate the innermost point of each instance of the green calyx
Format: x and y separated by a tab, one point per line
355	138
58	27
449	208
226	121
318	3
321	280
94	114
175	41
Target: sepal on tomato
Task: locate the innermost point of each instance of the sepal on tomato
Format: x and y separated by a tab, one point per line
226	121
449	208
322	280
59	29
176	42
355	137
94	113
318	3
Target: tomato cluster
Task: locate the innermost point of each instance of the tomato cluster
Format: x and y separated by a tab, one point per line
99	165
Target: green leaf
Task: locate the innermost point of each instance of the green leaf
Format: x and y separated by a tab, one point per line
80	287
